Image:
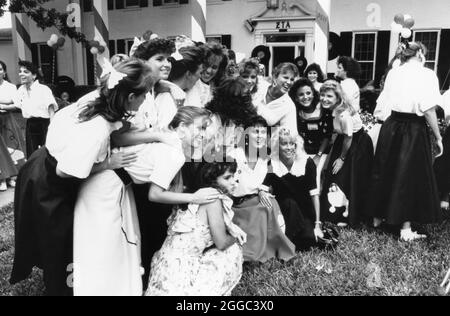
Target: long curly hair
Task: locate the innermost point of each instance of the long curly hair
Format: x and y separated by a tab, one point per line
232	102
214	49
112	103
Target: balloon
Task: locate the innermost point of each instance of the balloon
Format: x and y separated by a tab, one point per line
61	41
94	50
406	33
54	38
396	28
409	23
399	19
101	49
50	43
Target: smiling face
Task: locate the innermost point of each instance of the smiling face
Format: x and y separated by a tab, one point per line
305	96
313	76
26	77
284	82
227	183
251	78
195	132
258	137
160	67
211	68
288	147
328	99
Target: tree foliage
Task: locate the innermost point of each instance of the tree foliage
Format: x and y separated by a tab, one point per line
44	17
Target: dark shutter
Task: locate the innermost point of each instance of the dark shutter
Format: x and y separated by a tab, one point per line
110	4
346	43
143	3
35	54
112	47
120	4
226	40
121	47
184	1
382	61
443	69
157	3
90	67
87	5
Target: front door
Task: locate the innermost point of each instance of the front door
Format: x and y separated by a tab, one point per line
285	48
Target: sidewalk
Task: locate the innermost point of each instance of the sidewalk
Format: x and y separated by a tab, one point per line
6	197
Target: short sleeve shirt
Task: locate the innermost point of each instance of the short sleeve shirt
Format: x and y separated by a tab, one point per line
36	101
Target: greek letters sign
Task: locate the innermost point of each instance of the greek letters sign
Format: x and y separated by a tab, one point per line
282	26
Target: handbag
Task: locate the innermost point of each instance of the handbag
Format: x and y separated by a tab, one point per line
330	239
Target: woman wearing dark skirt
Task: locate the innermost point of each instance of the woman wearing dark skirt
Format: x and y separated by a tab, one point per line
403	186
47	186
292	178
346	182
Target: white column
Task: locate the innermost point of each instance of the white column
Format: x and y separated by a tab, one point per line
198	20
21	36
321	33
79	69
101	25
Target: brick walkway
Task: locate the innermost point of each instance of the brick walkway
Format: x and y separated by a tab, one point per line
6	197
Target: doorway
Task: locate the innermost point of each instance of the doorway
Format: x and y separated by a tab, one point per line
285	48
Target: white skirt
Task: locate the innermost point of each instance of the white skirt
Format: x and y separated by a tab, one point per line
107	248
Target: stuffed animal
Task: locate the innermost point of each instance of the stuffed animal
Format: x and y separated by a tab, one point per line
337	200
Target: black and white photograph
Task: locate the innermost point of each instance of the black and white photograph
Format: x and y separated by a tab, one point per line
246	150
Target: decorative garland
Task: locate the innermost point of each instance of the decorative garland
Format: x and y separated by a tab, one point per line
44	18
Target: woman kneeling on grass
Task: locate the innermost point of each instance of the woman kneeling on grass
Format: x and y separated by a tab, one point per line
202	256
257	211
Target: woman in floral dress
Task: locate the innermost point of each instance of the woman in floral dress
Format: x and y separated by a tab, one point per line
202	255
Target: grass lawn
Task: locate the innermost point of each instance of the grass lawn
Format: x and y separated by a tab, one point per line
365	263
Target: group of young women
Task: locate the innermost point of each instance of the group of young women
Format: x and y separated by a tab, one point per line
171	175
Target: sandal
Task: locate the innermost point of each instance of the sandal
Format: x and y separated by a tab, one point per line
408	235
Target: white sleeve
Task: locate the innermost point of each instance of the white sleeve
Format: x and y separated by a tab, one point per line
166	108
291	120
82	152
48	98
157	163
431	96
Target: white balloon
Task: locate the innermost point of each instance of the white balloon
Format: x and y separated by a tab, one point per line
396	28
50	43
54	38
408	16
406	33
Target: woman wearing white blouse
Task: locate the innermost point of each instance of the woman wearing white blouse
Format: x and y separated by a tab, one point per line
276	107
256	210
47	186
37	104
404	187
349	70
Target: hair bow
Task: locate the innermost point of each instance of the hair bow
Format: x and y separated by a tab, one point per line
177	56
114	76
137	42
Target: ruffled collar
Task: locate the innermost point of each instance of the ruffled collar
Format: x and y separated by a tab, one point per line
298	168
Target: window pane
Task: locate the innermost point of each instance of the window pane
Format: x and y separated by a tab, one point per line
366	73
364	47
430	40
430	65
132	3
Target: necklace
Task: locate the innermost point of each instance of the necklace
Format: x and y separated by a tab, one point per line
271	95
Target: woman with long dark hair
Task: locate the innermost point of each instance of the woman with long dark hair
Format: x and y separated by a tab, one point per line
348	72
47	186
403	187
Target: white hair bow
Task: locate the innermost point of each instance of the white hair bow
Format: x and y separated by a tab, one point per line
114	76
177	56
137	42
